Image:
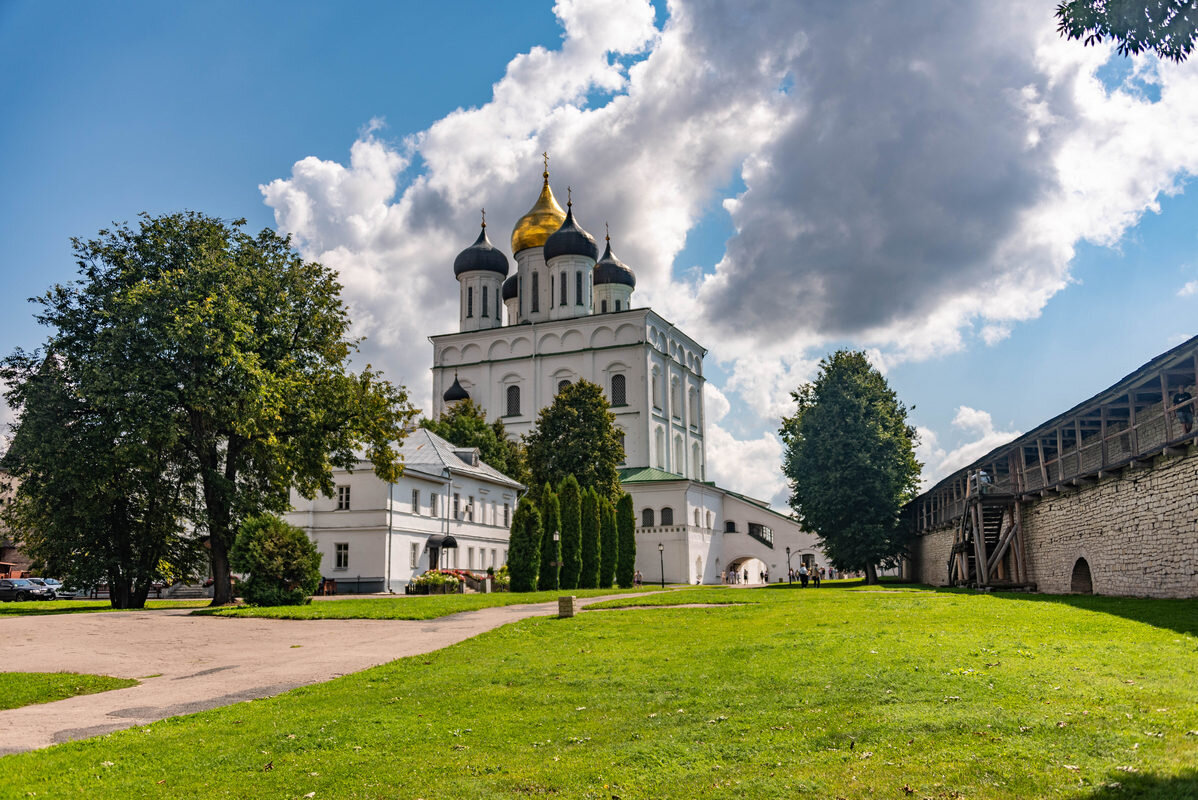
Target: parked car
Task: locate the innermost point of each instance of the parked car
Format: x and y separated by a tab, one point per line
53	584
23	589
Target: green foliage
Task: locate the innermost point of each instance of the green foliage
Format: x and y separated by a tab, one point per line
524	547
465	425
281	565
850	459
223	359
27	688
626	549
436	578
588	578
1165	27
551	551
608	543
576	435
570	496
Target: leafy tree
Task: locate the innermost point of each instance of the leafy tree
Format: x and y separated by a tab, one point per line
608	544
576	435
626	534
100	497
1166	27
282	566
589	576
850	459
465	425
570	496
237	350
524	547
551	550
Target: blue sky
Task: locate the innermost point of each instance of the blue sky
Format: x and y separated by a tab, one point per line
1003	222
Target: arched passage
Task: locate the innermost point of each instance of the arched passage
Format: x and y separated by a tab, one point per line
735	571
1081	582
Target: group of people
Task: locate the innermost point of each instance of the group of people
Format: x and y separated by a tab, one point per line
814	574
735	577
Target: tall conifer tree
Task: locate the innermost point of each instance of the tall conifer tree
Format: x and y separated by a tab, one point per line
589	577
570	498
608	546
551	551
626	549
524	547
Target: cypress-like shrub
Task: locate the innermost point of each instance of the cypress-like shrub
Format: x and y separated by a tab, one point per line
570	498
281	565
551	551
524	547
626	547
608	545
589	577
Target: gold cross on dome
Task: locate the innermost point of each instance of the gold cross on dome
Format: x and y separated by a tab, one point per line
484	217
545	156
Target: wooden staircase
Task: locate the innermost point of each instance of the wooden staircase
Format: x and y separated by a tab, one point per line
987	550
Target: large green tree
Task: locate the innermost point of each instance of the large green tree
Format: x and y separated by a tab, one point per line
1168	28
576	435
626	549
551	549
850	459
570	496
465	425
608	544
588	578
524	547
240	349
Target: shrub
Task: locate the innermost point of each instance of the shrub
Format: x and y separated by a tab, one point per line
281	565
608	546
626	547
588	578
435	578
570	498
524	547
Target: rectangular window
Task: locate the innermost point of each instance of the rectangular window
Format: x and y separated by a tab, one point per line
617	305
343	498
505	556
507	515
565	298
470	508
415	501
414	558
455	557
457	506
493	552
434	505
536	293
486	313
578	288
497	306
469	558
602	306
551	295
341	553
470	301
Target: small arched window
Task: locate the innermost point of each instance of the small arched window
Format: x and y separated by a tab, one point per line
729	526
697	518
679	466
617	305
561	386
675	402
486	305
535	305
647	518
708	519
513	401
565	297
656	390
667	516
469	301
578	288
619	390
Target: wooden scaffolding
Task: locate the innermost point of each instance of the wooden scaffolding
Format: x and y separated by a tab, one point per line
987	550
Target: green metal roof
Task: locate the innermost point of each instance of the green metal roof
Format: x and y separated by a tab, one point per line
647	475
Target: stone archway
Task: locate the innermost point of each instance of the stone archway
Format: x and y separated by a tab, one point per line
1081	582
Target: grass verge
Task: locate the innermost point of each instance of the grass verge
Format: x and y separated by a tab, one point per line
26	688
423	607
814	693
34	607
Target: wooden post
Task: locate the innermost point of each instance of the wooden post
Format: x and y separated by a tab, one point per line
979	546
1131	422
1103	459
1043	467
1165	406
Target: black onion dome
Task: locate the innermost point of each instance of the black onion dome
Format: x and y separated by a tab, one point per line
455	392
480	256
570	240
610	269
511	287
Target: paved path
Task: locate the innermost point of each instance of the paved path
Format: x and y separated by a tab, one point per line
204	662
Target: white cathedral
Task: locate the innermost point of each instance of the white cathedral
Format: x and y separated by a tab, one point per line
566	314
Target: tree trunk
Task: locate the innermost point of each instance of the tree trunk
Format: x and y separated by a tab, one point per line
871	574
120	592
222	586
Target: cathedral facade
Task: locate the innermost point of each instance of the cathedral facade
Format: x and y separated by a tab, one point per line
566	313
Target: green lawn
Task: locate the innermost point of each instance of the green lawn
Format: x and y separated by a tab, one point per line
422	607
813	693
79	606
26	688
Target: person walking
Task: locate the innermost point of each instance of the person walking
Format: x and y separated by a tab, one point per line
803	576
815	576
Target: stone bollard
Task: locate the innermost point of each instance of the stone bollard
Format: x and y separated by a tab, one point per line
565	606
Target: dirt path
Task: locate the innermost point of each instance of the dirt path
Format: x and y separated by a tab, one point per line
204	662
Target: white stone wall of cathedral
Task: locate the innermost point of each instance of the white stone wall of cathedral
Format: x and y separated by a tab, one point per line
479	300
569	268
611	293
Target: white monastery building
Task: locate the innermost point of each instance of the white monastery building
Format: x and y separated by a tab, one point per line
566	313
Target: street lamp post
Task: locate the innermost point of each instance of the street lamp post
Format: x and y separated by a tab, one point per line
661	555
557	578
789	573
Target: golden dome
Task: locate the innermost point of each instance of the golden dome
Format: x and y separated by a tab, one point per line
545	217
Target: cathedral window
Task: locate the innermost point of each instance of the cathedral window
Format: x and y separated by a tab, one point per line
578	287
656	390
535	305
619	389
647	518
620	435
694	408
565	298
617	305
520	295
513	401
679	466
561	386
551	295
486	305
696	518
469	301
498	305
667	516
602	306
659	448
695	461
675	404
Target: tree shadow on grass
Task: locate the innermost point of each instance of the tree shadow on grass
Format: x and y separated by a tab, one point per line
1175	615
1138	786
